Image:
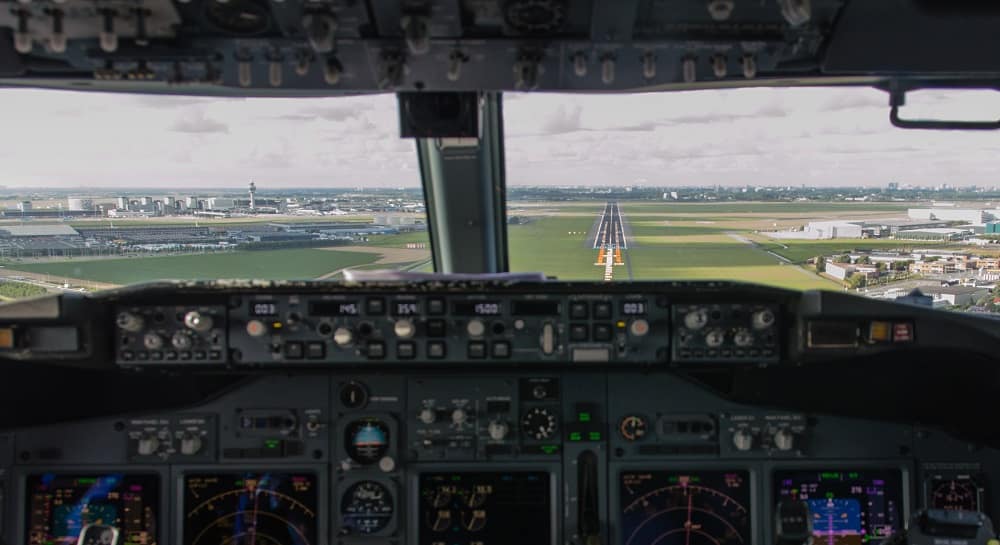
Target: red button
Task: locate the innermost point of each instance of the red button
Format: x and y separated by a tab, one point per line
902	332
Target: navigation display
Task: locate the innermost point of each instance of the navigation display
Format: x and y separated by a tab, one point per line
685	508
849	507
486	508
243	507
60	505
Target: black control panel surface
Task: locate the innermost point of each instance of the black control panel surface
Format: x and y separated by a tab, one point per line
628	457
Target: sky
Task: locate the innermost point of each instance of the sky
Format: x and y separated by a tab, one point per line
814	137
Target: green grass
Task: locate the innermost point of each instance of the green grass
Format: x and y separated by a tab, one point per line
801	250
400	240
268	265
545	245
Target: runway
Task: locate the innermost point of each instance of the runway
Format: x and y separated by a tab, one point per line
610	240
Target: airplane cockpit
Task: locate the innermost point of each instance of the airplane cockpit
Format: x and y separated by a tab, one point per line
477	403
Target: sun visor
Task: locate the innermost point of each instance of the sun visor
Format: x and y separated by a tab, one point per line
938	37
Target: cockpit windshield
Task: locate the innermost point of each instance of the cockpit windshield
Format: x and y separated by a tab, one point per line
802	188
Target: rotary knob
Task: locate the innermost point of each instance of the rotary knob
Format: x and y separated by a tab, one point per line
784	439
459	416
763	319
404	329
256	328
152	341
714	338
743	338
190	444
498	429
147	445
343	336
181	340
130	322
475	328
742	440
426	416
197	321
696	319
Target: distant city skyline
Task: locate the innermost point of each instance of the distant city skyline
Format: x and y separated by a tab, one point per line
834	137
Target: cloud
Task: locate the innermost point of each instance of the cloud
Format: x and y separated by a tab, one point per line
171	101
198	123
326	113
846	100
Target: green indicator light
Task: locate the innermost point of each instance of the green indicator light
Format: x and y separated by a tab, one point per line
829	495
853	475
829	475
575	436
549	449
595	436
583	417
272	443
87	480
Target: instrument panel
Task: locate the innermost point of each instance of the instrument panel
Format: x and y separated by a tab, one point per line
668	463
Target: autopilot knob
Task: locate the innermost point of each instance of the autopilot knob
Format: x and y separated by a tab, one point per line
130	321
147	445
197	321
784	439
181	340
190	444
343	336
498	429
475	328
404	329
743	440
459	416
426	416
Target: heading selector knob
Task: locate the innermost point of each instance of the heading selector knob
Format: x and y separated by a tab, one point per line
197	321
343	336
404	329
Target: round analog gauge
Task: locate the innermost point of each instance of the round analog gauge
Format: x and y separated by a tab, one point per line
959	494
366	508
367	440
632	427
539	424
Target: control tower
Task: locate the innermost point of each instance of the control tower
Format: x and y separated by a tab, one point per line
253	190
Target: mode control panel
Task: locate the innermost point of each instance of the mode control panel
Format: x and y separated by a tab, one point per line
448	329
725	333
166	334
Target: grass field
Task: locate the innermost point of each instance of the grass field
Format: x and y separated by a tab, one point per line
692	241
273	264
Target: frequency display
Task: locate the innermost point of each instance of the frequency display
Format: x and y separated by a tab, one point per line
277	508
685	508
486	508
849	507
59	506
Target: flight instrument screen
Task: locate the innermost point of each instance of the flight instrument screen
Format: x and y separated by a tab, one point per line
486	508
60	505
685	508
849	507
245	507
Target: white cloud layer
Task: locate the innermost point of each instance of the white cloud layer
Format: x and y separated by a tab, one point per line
822	137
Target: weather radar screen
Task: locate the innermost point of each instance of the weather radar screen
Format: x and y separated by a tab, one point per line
60	505
848	507
247	508
689	508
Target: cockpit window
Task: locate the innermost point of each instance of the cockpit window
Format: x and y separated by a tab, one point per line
102	190
805	188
